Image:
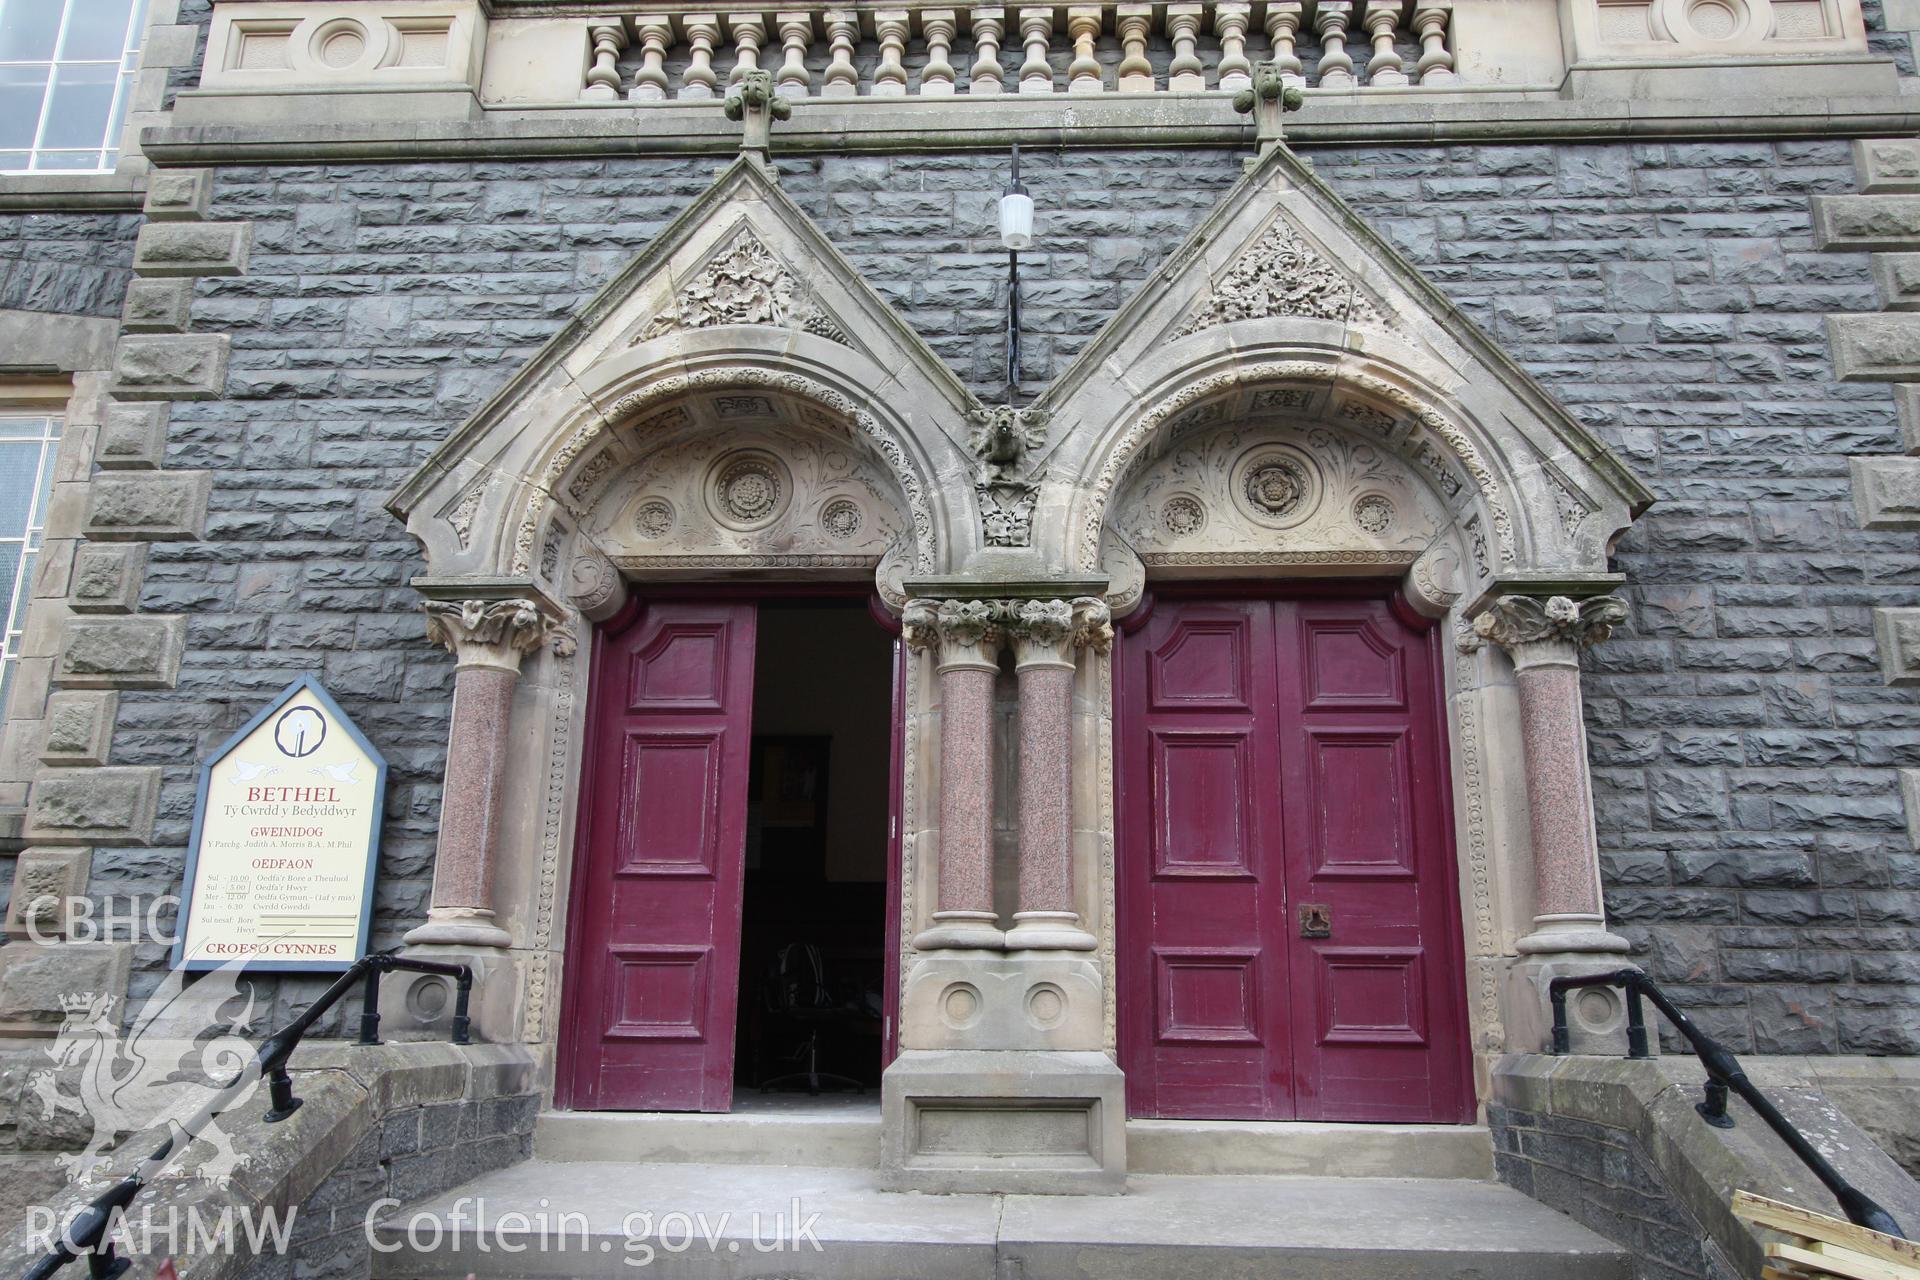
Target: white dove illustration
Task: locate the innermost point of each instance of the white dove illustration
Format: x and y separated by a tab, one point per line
248	771
338	772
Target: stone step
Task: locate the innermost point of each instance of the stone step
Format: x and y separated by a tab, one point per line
732	1222
844	1133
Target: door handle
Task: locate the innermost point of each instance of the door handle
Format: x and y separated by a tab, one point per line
1316	920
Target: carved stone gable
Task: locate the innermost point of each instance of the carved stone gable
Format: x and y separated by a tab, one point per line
745	283
1282	275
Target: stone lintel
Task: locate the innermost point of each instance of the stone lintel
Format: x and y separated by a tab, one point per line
1869	347
148	506
193	249
137	652
1886	491
112	806
171	366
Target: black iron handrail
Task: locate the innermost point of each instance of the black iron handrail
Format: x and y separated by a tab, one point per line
1724	1073
90	1233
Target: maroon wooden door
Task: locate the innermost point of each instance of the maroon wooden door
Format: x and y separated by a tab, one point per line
1289	947
653	957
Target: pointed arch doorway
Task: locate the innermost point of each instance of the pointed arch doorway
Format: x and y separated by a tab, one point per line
734	914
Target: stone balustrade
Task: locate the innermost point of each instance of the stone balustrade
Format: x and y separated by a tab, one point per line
876	51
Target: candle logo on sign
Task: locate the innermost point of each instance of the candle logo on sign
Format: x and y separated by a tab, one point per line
285	836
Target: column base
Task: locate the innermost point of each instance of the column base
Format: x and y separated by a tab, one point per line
962	930
1571	935
1596	1016
419	1006
1018	1123
1048	931
986	1000
458	927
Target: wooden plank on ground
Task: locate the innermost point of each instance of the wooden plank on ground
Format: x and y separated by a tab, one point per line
1795	1221
1851	1267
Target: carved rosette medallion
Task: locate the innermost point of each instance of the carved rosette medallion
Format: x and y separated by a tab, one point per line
1373	513
654	518
749	489
1183	515
1277	486
841	518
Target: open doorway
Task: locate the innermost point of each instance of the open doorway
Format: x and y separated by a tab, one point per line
814	907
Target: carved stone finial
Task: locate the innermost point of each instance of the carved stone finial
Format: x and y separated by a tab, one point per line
495	633
756	105
1270	98
1515	622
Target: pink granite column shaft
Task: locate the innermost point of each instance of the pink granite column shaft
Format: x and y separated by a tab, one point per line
1046	788
470	796
966	793
1566	857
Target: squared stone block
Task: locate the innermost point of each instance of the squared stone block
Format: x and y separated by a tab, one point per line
1875	347
106	577
78	728
138	652
1910	800
45	883
112	806
1866	222
148	506
1887	165
1886	491
132	436
1007	1122
1897	633
35	977
157	306
193	249
175	195
171	366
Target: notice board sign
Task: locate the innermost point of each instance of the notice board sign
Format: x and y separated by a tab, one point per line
286	832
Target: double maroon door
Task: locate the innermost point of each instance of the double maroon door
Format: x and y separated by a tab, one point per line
1288	940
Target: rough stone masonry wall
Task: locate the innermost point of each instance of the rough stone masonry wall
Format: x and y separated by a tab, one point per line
1669	294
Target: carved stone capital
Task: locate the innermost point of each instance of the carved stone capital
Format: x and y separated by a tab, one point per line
1042	632
1092	624
495	633
1556	628
960	632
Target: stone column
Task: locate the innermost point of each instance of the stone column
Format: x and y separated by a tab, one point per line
966	637
488	638
1545	637
1046	634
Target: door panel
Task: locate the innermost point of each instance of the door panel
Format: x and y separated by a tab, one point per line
656	928
1281	775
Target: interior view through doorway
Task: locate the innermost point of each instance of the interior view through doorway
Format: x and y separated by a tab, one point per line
813	950
729	941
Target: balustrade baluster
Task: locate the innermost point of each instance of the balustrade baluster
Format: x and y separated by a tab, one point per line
1436	60
650	81
1036	29
937	27
890	77
796	36
1336	64
1283	28
1185	74
1135	24
843	29
1385	67
989	27
699	82
1230	24
749	32
1083	73
603	77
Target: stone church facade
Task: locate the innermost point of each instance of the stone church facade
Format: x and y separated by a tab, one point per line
1534	397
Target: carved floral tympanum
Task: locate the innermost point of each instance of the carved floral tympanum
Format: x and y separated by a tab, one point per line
1281	274
745	283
